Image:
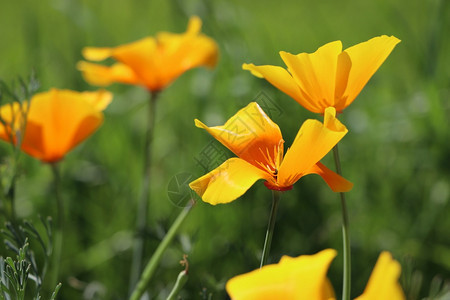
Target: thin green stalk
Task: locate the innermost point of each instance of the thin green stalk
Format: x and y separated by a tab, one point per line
157	255
181	281
58	233
142	205
346	283
276	196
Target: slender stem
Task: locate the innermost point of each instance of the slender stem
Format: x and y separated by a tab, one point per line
276	196
346	283
181	281
157	255
58	233
142	205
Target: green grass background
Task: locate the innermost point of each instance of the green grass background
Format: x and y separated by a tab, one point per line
397	151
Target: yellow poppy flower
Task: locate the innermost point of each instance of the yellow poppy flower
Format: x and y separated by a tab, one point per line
304	278
257	141
56	121
152	62
329	76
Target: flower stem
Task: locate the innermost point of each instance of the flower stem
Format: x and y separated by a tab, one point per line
157	255
58	233
276	196
346	283
142	205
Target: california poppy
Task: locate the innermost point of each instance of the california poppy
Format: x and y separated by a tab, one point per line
153	62
329	76
55	121
304	277
257	141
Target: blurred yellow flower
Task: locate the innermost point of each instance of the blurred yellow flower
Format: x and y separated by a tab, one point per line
56	121
152	62
257	141
329	76
304	278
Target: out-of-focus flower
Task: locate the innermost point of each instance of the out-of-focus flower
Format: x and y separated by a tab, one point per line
304	278
56	121
153	62
257	141
329	76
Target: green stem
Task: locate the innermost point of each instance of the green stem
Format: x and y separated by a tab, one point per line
346	283
276	196
58	233
142	205
181	281
157	255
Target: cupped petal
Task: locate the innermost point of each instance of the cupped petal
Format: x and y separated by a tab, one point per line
102	75
227	182
99	100
336	182
313	141
64	122
251	135
315	73
282	80
298	278
365	59
383	282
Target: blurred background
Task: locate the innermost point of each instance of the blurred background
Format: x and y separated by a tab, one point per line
397	151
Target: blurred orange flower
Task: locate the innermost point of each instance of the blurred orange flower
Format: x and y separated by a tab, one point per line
257	141
56	121
152	62
304	278
329	76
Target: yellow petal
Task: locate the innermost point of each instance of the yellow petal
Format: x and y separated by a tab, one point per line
250	134
383	283
101	75
365	59
96	54
313	141
336	182
227	182
298	278
315	73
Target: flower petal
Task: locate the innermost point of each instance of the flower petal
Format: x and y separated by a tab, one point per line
365	59
336	182
315	73
102	75
303	277
383	282
227	182
313	141
96	54
250	134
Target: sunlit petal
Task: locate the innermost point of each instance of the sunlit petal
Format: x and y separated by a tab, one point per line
102	75
96	54
227	182
365	59
336	182
250	134
383	283
313	141
298	278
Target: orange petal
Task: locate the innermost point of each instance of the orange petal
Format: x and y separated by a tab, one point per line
383	283
250	134
96	54
282	80
303	277
336	182
315	73
313	141
62	124
102	75
227	182
365	59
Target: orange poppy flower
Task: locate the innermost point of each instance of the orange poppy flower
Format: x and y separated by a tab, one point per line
152	62
56	121
257	141
329	76
304	278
